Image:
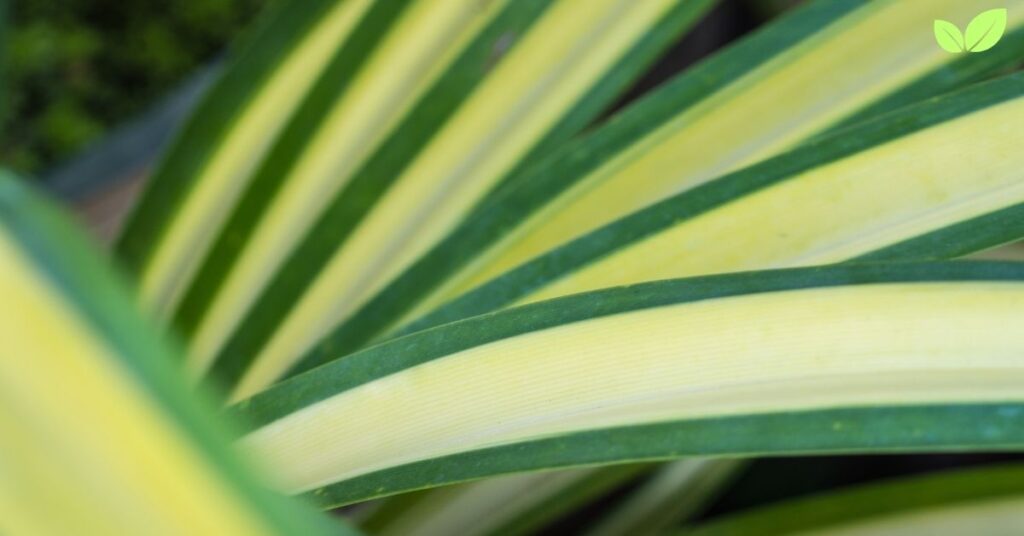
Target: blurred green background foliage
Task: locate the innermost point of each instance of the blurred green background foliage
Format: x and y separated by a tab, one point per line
75	68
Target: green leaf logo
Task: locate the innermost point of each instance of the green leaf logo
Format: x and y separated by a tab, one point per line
982	33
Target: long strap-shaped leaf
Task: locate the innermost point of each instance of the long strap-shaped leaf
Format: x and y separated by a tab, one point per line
100	435
525	503
216	153
755	124
839	358
968	501
323	147
678	491
957	240
963	71
424	100
975	234
510	505
677	138
848	195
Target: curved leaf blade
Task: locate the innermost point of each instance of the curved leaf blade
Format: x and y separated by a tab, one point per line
100	433
898	503
375	214
678	491
967	69
234	125
466	257
673	237
948	428
566	375
511	505
306	176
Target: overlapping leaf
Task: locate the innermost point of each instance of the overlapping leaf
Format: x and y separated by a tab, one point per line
426	166
985	500
100	434
847	358
662	145
352	200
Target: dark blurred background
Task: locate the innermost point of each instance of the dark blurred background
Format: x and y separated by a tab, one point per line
77	68
94	89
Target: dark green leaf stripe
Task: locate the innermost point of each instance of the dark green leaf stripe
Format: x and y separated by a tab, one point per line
562	261
402	353
934	428
286	152
586	491
617	80
501	213
677	492
968	69
349	207
971	236
557	172
525	503
254	61
56	246
863	503
372	181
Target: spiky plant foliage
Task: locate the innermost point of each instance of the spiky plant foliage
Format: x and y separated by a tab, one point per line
406	247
